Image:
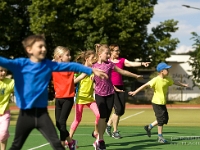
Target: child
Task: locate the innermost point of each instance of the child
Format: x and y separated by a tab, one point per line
160	86
64	94
104	90
84	95
32	76
6	88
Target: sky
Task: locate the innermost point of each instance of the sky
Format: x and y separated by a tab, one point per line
188	20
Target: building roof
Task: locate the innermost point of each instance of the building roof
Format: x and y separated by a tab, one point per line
178	58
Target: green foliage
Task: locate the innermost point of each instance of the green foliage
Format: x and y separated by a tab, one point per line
14	26
159	43
195	58
80	24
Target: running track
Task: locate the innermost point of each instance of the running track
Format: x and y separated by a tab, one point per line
133	106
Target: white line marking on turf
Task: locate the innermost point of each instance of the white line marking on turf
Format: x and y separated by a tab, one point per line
39	146
41	134
132	115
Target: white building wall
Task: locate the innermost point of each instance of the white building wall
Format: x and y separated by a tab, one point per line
180	71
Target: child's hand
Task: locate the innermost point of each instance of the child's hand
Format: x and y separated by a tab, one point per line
139	77
132	93
118	90
185	85
100	73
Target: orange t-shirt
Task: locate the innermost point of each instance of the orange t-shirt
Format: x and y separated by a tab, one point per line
64	84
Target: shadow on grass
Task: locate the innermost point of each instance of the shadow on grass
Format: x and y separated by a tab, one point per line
136	146
144	134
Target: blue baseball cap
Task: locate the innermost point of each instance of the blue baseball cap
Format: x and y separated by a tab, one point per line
161	66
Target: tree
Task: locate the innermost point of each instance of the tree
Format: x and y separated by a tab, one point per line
81	24
159	43
195	58
14	26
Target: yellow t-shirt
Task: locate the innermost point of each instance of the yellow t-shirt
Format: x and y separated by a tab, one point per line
160	87
6	88
85	90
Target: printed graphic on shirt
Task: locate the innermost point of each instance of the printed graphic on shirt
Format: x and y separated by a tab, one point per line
2	91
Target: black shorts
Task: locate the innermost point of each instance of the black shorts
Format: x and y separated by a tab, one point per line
161	114
119	101
105	105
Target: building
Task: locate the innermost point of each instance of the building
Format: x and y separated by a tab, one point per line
181	71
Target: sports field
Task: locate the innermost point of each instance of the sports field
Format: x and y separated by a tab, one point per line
182	131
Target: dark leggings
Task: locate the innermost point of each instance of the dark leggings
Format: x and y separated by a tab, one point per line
119	101
105	105
35	118
62	111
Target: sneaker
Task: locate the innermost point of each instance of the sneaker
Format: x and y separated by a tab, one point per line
73	145
100	145
161	140
116	135
95	135
148	130
66	144
108	130
95	144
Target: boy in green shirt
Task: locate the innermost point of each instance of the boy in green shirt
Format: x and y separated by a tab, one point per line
160	85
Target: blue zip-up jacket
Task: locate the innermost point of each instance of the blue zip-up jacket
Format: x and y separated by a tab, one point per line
32	79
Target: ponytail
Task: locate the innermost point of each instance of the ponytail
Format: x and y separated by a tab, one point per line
80	57
83	55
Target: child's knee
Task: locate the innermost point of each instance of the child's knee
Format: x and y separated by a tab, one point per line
97	119
78	119
98	116
4	135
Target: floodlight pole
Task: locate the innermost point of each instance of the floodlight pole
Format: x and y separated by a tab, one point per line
190	7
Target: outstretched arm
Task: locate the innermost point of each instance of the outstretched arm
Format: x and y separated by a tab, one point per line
79	78
178	83
99	73
127	73
132	93
10	64
128	63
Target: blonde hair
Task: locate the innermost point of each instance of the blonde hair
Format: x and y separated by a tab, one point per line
83	55
59	51
99	49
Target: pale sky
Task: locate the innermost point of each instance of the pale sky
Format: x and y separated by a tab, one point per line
188	18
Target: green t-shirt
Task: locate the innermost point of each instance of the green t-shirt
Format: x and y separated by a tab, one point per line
160	87
6	88
85	92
